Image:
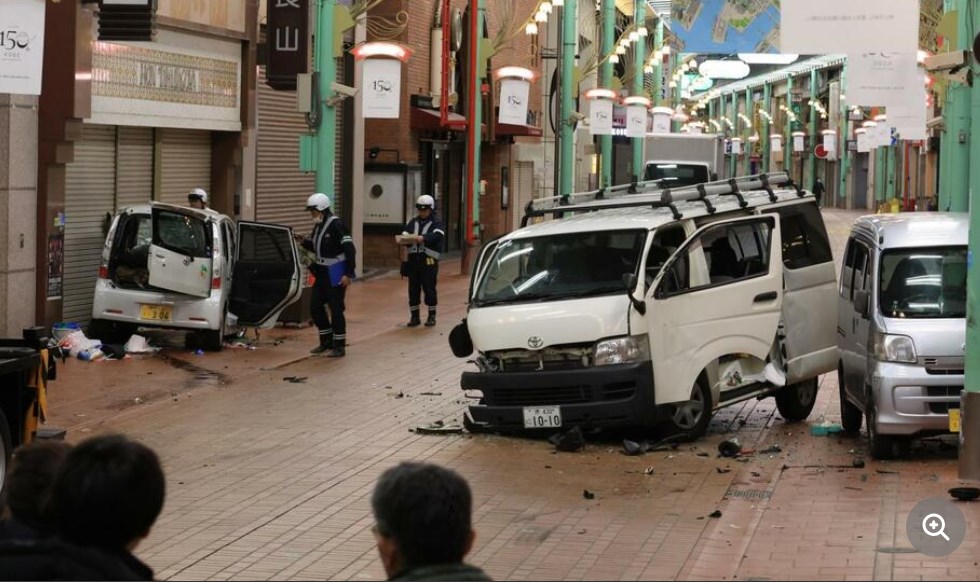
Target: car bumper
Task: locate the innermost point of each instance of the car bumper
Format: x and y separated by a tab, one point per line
909	400
607	396
124	305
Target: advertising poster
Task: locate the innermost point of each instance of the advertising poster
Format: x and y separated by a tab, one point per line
21	46
601	117
848	26
636	121
513	101
382	88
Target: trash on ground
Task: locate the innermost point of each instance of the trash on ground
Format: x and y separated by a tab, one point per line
570	441
199	352
729	448
582	531
114	351
716	513
703	455
588	494
858	463
399	394
76	343
430	393
853	488
439	427
825	428
722	471
137	344
965	493
648	471
885	472
295	379
771	449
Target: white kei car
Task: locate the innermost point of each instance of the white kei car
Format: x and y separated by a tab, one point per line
172	267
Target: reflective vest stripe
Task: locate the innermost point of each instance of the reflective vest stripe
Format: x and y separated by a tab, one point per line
421	248
318	240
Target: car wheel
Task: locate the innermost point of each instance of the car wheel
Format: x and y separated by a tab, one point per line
850	415
692	416
880	446
213	340
6	449
795	402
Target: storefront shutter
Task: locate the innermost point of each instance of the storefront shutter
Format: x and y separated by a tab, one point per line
89	197
134	170
185	164
523	190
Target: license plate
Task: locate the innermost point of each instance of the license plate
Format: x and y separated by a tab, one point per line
954	420
151	312
542	417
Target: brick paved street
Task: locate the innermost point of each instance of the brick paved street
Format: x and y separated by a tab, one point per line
270	479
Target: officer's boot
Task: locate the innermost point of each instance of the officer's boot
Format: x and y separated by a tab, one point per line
338	351
414	321
326	342
431	320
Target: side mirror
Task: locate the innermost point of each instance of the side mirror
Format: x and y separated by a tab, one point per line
714	176
861	303
629	281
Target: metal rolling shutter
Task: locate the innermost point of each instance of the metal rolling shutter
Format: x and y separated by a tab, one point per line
185	164
89	195
134	168
281	188
522	190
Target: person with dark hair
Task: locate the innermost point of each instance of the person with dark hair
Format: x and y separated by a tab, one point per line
104	501
423	523
29	479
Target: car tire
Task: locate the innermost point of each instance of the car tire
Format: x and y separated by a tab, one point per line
213	340
795	402
693	416
6	450
850	415
880	446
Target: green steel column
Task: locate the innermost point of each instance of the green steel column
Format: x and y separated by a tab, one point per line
605	80
639	60
326	67
764	133
658	71
954	154
474	139
969	454
879	174
891	168
566	90
788	137
814	133
747	145
843	133
675	95
733	115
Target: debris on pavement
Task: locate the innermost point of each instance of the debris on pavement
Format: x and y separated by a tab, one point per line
633	448
295	379
771	449
825	428
722	471
965	493
858	463
439	427
137	344
582	531
568	442
703	455
588	494
430	393
648	471
885	472
715	514
730	448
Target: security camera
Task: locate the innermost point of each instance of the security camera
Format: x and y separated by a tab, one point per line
946	61
576	117
962	75
345	90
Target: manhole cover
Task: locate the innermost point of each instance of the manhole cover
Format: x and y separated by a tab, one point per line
748	494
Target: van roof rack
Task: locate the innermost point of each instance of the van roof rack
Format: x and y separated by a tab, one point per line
653	194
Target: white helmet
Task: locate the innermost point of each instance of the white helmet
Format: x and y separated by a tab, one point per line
198	194
318	201
425	200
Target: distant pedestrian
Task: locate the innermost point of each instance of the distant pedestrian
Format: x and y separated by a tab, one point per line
423	523
424	236
30	477
197	198
818	189
333	270
104	501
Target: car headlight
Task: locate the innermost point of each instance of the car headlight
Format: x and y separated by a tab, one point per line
623	350
894	348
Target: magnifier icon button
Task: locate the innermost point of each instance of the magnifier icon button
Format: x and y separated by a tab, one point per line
934	525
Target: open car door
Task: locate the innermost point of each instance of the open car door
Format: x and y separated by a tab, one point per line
180	250
267	274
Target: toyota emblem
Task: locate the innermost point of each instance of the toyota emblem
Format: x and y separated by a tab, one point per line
534	342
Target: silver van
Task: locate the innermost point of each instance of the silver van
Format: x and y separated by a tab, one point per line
901	327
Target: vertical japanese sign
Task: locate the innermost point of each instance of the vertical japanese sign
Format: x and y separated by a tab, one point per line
21	46
601	117
514	95
56	261
847	26
287	42
382	92
636	121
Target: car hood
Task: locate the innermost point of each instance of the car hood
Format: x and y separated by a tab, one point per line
542	324
932	337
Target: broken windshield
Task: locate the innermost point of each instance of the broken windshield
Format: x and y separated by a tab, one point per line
560	266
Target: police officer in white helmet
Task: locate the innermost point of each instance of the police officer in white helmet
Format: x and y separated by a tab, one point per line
333	270
197	198
424	235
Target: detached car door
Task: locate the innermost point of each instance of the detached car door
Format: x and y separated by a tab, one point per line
703	309
267	274
181	248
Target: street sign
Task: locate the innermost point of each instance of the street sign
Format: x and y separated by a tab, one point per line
287	34
820	151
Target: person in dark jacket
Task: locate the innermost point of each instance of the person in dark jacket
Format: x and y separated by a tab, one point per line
423	523
333	270
105	499
819	190
424	236
29	480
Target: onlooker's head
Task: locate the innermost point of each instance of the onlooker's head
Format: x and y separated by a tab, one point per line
30	478
197	198
109	493
423	517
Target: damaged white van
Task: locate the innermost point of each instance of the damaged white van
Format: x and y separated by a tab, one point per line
179	268
633	308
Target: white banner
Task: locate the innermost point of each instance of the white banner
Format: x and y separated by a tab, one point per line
382	88
776	145
636	121
513	101
909	120
798	143
848	26
830	145
863	142
736	147
876	79
601	117
882	134
21	46
661	122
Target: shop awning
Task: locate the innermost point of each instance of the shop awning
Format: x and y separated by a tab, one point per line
429	119
523	129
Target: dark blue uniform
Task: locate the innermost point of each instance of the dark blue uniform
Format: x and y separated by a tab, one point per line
335	252
423	265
